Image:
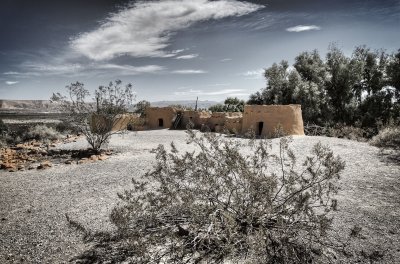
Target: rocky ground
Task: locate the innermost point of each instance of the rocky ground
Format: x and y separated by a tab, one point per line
38	155
33	203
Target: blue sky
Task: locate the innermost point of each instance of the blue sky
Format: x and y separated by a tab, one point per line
176	49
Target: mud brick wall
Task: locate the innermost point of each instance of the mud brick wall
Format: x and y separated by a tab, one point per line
264	119
160	117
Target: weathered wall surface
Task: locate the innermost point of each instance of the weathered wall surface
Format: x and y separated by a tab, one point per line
120	122
222	120
154	116
289	117
124	120
195	117
234	124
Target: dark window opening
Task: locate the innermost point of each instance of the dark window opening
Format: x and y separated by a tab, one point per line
160	122
260	128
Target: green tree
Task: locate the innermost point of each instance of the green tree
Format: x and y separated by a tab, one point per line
393	72
339	84
141	106
231	104
311	67
362	88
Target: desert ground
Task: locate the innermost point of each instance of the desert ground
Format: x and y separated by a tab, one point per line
33	204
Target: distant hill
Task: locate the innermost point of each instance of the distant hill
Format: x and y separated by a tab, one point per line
187	103
27	105
47	106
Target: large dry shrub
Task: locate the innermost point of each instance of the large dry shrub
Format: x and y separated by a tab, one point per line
226	201
388	137
95	119
42	133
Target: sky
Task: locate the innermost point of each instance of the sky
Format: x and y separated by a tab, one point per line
176	49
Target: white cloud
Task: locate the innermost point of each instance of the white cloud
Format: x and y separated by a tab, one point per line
11	82
145	28
254	74
225	60
52	68
42	69
219	84
11	73
189	71
301	28
187	57
129	69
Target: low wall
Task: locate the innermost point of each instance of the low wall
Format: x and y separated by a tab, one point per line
195	117
120	122
225	120
124	120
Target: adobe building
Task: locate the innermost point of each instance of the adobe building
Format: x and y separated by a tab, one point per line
160	117
264	119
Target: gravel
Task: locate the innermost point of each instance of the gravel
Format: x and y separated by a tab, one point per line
33	204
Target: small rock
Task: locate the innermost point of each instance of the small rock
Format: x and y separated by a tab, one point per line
102	157
14	169
68	162
94	158
9	166
83	160
44	165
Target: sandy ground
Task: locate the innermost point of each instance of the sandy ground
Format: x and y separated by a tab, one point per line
33	204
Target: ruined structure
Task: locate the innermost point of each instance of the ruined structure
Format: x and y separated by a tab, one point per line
262	119
226	120
125	121
195	119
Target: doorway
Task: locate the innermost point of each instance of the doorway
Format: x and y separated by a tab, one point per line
160	122
260	128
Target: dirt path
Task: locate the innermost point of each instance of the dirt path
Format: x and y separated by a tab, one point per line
33	204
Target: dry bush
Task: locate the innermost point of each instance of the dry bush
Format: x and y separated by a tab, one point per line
3	134
42	133
66	127
95	120
3	128
225	202
388	137
339	131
